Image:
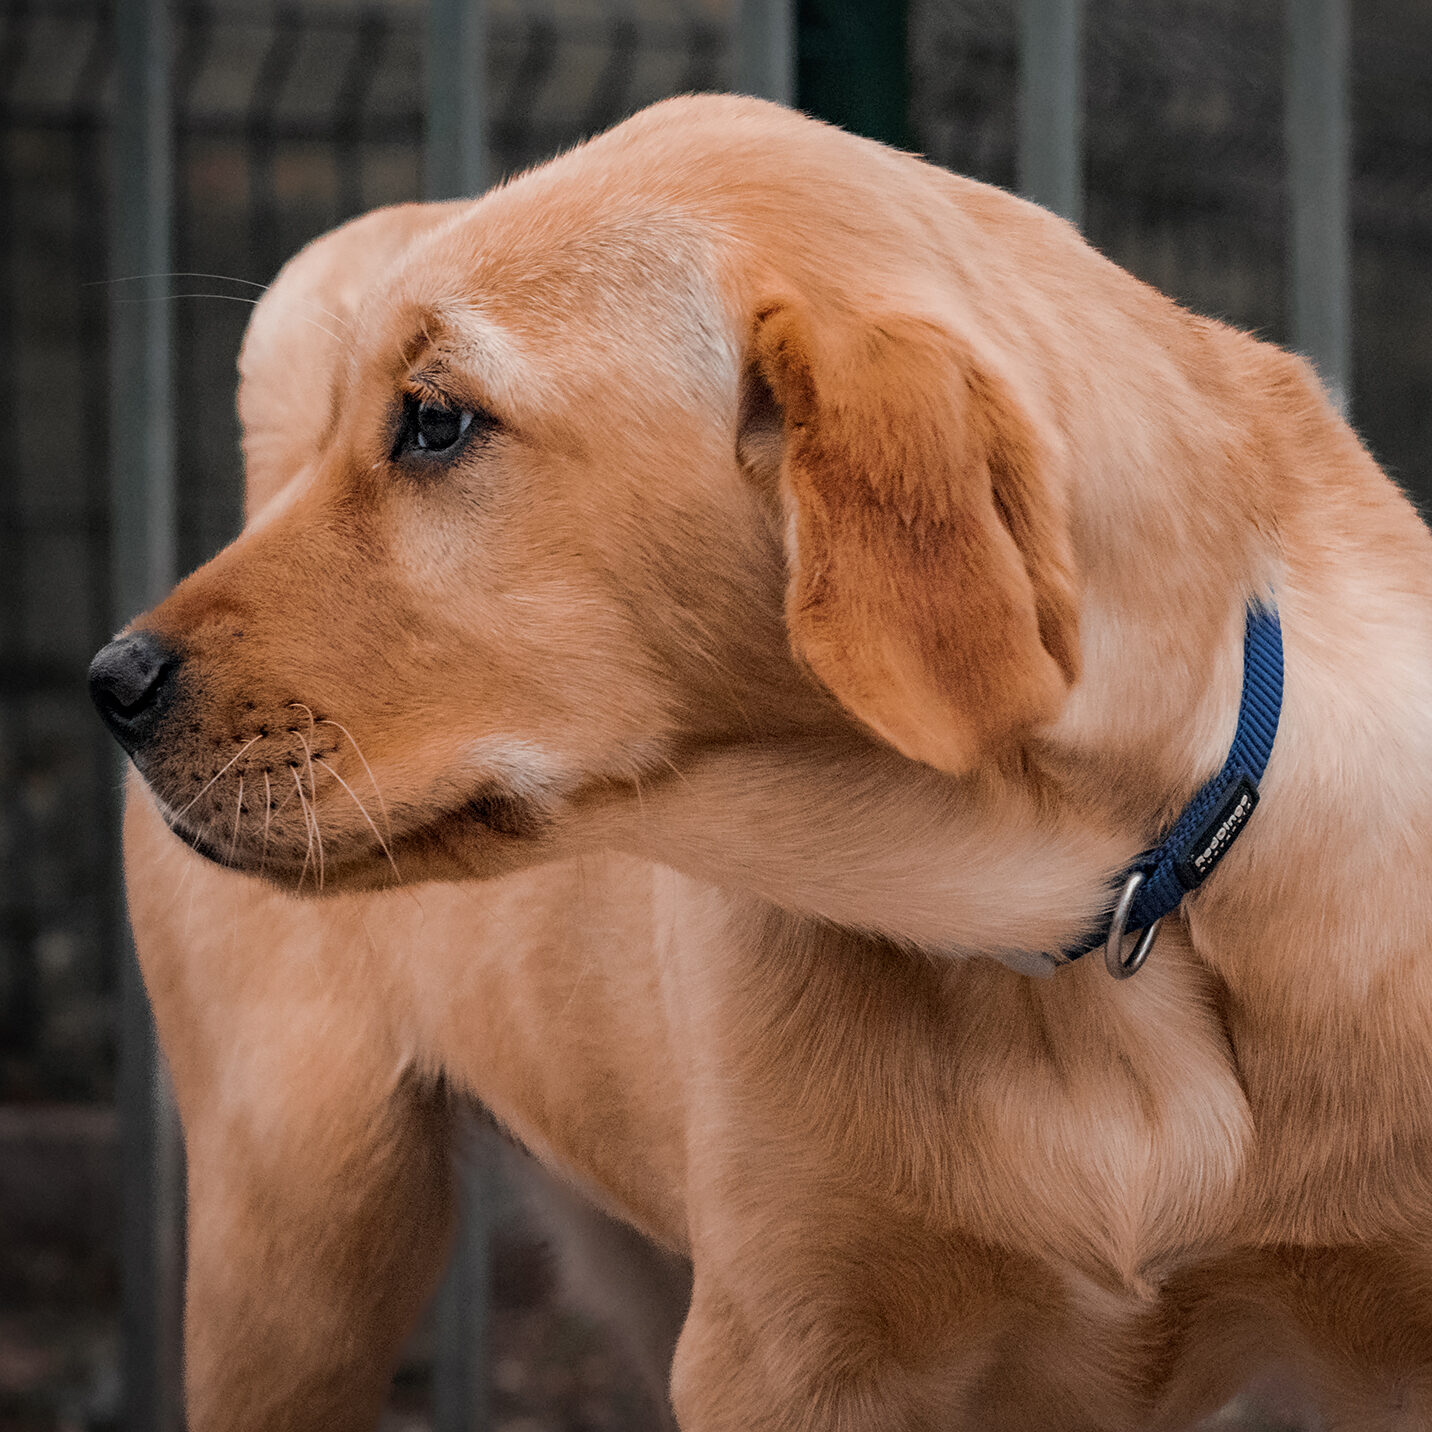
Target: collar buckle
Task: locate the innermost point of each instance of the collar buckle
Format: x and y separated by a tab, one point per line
1114	961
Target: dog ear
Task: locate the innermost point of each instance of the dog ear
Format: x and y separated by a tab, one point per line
931	580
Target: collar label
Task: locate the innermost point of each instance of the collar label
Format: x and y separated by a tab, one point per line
1211	841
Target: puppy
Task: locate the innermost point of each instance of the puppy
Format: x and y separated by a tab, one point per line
715	615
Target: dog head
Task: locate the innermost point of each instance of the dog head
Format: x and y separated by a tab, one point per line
681	440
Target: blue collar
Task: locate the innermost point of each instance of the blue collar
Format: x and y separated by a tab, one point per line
1157	880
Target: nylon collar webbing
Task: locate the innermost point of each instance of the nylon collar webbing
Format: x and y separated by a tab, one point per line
1217	814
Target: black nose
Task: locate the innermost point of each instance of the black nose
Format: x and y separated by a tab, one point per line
130	681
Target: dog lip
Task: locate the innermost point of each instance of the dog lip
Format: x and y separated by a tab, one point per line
201	844
503	812
498	810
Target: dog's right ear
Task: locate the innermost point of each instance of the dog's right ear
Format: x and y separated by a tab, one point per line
931	583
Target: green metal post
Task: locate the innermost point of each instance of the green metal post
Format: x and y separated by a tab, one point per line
851	66
1317	130
144	567
455	158
765	49
1051	105
455	167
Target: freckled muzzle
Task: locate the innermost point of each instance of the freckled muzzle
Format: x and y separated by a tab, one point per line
262	782
214	695
242	789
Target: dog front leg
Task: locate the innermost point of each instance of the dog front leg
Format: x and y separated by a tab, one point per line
798	1374
314	1237
320	1195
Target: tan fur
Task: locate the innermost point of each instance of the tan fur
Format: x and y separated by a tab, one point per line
808	459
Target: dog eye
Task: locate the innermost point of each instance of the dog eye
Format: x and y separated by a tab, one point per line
430	427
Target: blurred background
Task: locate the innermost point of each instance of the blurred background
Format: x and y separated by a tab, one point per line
1264	161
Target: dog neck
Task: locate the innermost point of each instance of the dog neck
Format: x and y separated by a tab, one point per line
855	835
1017	859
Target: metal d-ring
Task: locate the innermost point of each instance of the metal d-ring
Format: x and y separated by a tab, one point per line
1114	960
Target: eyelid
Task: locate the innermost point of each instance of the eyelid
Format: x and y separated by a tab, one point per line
425	392
428	389
421	389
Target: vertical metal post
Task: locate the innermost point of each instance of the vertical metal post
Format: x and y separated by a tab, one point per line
765	49
852	66
1051	105
461	1392
455	160
1317	136
143	448
455	166
143	536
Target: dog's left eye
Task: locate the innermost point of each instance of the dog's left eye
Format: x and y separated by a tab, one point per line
430	427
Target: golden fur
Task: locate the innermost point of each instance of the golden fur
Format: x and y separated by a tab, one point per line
851	580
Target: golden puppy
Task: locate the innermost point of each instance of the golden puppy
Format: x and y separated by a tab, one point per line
778	586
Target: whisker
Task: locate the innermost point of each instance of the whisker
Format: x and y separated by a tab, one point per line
173	273
372	943
268	820
238	812
308	710
677	771
358	751
382	844
313	796
308	822
338	318
179	888
283	804
219	773
219	278
318	837
231	298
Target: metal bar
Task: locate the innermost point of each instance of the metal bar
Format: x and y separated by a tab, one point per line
455	162
274	71
705	51
143	567
461	1391
142	223
609	94
1051	105
1318	140
89	223
394	129
519	119
455	166
766	49
18	955
363	69
853	68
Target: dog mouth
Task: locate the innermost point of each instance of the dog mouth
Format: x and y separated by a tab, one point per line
278	789
485	826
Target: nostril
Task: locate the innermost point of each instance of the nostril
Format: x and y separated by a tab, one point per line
127	678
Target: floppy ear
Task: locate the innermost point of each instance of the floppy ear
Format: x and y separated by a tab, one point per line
931	581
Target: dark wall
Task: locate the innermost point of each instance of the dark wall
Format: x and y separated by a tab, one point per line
1185	168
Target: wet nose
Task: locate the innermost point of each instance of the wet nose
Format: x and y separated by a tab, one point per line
129	680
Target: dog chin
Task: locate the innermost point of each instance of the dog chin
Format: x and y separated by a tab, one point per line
493	832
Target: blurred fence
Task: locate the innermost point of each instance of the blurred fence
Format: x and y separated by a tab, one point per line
288	120
1239	156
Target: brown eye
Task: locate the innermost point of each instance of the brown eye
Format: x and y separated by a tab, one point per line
430	428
